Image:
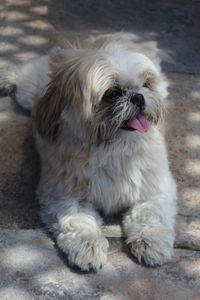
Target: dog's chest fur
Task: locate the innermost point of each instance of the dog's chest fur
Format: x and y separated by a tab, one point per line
116	179
115	185
110	178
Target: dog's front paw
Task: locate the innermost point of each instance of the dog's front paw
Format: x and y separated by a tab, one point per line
154	246
85	254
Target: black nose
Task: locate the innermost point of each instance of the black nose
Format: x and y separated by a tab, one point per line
138	99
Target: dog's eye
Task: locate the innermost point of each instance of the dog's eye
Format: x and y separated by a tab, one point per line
116	92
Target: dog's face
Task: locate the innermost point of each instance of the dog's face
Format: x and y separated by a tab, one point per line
133	101
101	95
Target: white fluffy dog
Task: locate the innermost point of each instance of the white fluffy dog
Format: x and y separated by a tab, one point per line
96	128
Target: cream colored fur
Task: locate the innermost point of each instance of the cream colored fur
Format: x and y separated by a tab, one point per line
86	169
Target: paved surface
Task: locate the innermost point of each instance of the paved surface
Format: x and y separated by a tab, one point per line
36	270
30	27
30	265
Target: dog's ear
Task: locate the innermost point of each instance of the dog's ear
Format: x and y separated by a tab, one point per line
60	93
46	113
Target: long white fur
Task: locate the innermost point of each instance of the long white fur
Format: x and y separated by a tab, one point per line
78	178
32	81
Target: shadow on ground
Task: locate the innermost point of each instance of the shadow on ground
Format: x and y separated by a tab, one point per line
29	28
37	271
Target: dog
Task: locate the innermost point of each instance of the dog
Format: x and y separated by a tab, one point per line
96	108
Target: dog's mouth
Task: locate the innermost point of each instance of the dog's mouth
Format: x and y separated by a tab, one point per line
139	123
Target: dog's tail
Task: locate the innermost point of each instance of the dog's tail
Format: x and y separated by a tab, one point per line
26	83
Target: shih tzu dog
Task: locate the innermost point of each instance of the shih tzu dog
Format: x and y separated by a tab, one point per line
96	108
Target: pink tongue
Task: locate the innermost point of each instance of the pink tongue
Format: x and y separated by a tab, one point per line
140	123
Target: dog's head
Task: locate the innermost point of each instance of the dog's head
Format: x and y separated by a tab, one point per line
100	94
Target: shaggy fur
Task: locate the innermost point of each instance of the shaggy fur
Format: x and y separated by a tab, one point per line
83	99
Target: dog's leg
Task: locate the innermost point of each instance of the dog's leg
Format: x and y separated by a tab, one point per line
149	224
78	234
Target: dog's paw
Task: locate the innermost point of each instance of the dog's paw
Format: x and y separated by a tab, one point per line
86	254
154	246
90	255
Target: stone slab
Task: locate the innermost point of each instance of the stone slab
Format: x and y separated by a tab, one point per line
32	268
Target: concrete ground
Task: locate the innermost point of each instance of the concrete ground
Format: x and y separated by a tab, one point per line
31	267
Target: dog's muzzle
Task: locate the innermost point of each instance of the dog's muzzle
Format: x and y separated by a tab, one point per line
137	121
138	99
